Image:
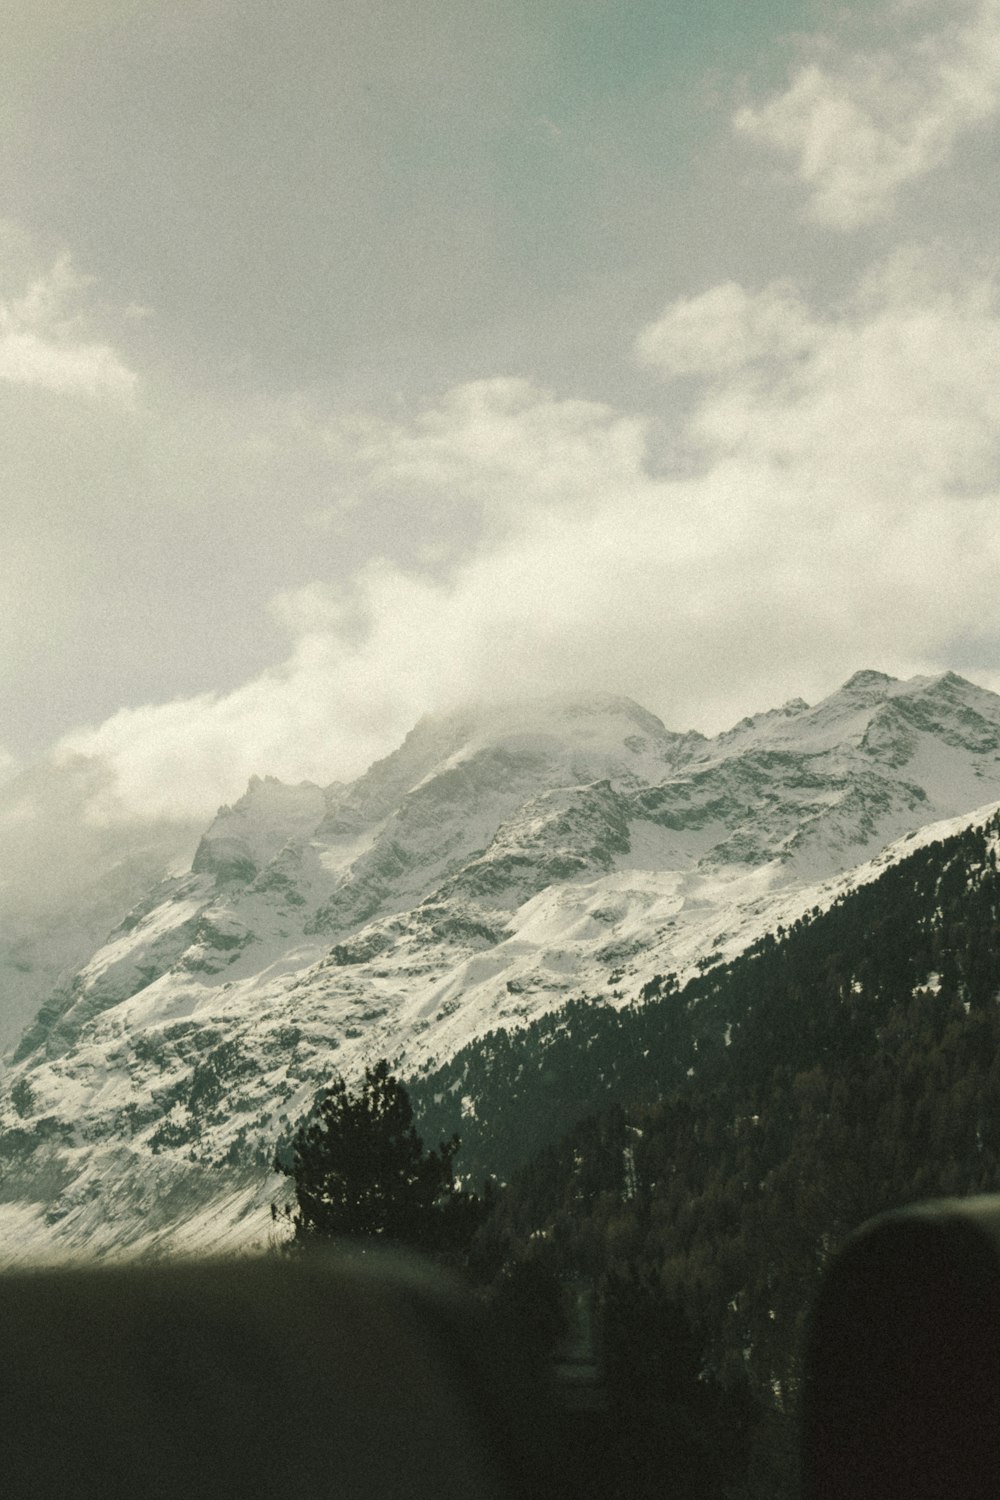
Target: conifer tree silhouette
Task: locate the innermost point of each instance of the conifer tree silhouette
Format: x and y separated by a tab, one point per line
361	1172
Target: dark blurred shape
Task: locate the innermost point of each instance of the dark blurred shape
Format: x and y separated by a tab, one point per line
902	1390
322	1375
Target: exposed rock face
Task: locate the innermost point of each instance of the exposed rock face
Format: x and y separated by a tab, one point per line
244	839
500	862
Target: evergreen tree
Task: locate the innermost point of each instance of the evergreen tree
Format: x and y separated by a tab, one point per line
360	1171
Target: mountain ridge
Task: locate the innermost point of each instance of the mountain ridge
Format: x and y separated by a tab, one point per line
499	862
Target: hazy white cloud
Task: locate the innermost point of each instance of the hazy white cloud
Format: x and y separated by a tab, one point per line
64	882
896	387
842	513
858	126
727	329
46	340
495	446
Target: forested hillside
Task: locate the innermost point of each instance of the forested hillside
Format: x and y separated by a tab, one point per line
729	1134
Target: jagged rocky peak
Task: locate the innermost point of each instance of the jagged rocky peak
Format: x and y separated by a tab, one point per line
603	721
870	710
378	792
585	716
950	690
944	687
562	739
415	818
868	684
595	732
245	837
947	707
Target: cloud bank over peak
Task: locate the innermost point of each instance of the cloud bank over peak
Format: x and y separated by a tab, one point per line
796	475
859	126
846	476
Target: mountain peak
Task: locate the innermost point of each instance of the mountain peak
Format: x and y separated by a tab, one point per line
244	837
594	732
868	681
578	715
950	683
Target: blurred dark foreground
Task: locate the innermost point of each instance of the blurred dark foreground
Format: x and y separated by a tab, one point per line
369	1375
902	1376
322	1375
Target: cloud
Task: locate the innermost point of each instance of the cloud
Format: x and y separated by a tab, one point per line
894	389
841	512
860	126
45	342
727	329
489	446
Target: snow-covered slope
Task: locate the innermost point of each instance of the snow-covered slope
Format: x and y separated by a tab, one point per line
500	862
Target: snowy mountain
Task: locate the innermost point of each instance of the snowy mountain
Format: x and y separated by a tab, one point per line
502	861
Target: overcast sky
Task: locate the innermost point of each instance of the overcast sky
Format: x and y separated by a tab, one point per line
358	357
